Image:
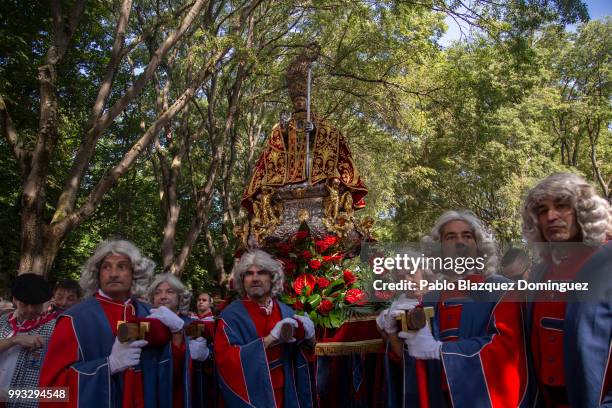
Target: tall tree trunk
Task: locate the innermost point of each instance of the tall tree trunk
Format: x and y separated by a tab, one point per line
593	137
33	256
175	264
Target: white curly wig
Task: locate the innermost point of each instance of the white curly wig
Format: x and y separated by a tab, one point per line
142	267
263	260
593	213
485	240
183	292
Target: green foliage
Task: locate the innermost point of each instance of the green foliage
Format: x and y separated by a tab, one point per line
470	126
501	122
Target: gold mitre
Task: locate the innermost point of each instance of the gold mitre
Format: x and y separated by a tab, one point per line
297	71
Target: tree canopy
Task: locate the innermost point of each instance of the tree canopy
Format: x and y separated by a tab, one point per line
144	119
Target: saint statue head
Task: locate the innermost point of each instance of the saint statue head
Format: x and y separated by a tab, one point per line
297	76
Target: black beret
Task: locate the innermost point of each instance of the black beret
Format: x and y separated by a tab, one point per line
31	289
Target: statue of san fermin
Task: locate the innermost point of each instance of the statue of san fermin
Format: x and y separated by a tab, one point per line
306	172
301	202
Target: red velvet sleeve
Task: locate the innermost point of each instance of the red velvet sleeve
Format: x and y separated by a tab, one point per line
178	360
56	370
228	362
495	364
178	357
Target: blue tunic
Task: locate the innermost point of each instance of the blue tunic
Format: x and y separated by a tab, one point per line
488	328
587	333
97	387
241	332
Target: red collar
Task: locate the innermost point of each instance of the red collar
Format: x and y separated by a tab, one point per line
103	297
267	309
28	325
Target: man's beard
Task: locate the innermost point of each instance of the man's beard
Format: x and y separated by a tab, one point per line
460	250
257	292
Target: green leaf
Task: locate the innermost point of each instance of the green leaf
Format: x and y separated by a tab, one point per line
335	285
314	300
335	318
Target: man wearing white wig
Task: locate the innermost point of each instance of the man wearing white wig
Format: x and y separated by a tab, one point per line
84	353
168	293
259	364
473	355
571	333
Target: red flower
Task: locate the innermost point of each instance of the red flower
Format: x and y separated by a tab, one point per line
332	258
348	276
321	246
322	282
301	234
302	281
331	239
324	244
306	254
314	264
355	296
298	305
325	306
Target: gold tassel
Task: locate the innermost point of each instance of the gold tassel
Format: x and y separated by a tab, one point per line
348	347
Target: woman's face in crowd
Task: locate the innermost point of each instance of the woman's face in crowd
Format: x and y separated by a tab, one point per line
165	295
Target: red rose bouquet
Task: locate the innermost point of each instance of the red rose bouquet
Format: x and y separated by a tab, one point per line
318	284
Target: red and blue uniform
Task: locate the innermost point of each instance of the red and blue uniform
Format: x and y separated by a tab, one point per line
483	356
77	358
571	334
251	375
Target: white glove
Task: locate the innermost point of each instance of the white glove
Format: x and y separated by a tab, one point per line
421	344
124	355
309	329
198	349
386	319
381	321
403	303
276	330
168	318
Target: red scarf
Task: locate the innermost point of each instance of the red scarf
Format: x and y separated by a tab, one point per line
204	315
28	325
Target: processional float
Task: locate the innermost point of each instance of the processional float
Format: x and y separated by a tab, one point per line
301	202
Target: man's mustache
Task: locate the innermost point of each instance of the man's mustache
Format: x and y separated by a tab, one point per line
461	248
